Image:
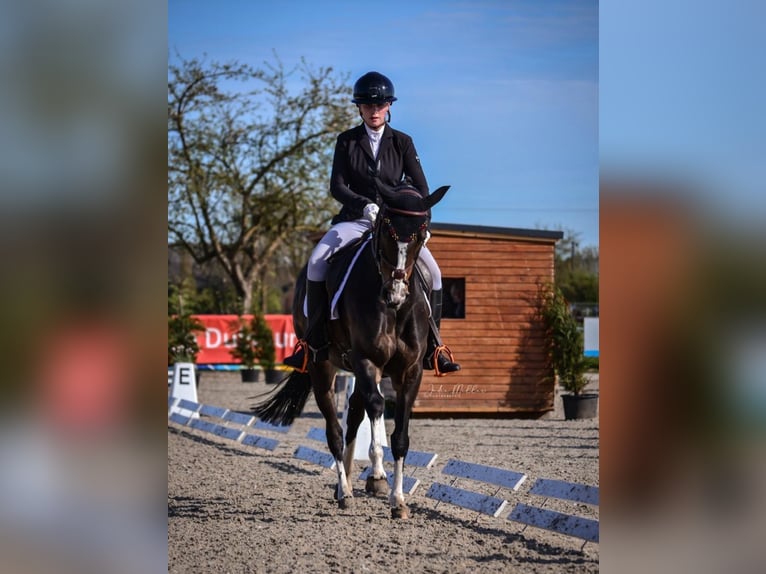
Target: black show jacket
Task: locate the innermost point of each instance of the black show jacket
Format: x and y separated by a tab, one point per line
351	181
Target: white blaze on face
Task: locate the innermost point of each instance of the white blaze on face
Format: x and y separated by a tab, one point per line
401	257
399	289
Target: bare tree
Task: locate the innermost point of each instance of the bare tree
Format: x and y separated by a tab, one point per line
249	155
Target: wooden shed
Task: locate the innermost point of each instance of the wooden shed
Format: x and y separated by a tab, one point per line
493	334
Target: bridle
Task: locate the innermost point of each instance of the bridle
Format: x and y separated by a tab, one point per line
384	224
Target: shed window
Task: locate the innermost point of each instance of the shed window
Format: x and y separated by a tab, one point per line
453	299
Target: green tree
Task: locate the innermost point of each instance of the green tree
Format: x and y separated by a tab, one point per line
576	269
182	298
578	285
182	341
249	155
254	343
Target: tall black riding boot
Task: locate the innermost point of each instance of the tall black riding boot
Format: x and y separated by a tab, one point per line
315	338
443	363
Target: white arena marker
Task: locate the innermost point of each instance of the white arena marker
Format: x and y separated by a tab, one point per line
260	441
566	490
238	418
577	526
409	483
184	386
498	476
467	499
314	456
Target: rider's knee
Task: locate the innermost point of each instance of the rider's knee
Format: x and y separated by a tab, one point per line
317	270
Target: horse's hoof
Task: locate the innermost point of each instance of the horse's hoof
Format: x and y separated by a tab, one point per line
376	486
335	492
400	512
345	503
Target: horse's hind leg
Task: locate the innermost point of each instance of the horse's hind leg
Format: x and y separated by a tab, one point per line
322	377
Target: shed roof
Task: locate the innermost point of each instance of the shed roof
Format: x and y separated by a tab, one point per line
496	232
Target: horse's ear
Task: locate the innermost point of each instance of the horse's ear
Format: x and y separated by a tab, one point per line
436	196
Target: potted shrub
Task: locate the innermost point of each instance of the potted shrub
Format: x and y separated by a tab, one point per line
246	351
182	342
565	350
267	356
254	345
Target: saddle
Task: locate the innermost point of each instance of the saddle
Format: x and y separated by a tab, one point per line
340	263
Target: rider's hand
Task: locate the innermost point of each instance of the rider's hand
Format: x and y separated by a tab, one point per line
370	212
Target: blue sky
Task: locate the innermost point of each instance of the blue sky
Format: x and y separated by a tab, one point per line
500	97
682	91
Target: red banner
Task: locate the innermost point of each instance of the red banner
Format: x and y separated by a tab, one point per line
218	339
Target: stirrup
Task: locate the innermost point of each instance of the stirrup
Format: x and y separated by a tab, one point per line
437	353
302	346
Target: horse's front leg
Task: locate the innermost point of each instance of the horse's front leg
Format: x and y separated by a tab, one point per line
377	482
400	439
354	417
368	397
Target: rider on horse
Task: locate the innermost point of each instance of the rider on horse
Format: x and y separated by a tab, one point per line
372	149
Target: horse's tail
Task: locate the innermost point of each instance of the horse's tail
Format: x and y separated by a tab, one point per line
283	408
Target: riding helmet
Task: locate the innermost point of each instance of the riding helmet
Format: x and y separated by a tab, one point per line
373	88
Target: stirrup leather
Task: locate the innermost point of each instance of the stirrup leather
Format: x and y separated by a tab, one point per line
439	349
304	346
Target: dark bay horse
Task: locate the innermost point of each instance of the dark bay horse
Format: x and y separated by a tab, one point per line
381	330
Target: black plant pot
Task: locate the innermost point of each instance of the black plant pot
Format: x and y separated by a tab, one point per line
584	406
251	375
